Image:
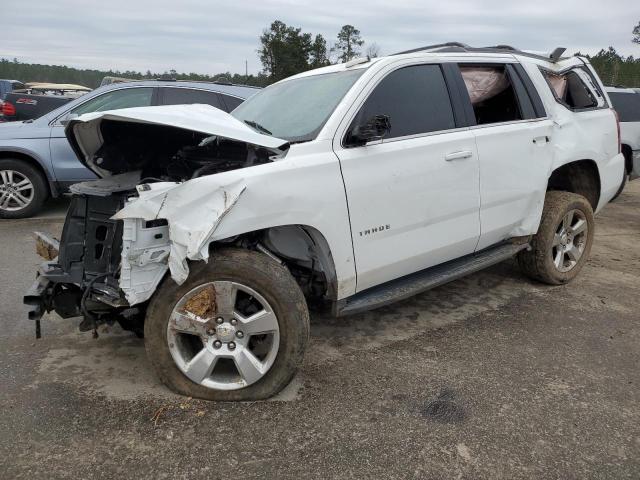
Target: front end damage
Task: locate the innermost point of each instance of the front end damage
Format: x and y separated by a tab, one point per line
156	207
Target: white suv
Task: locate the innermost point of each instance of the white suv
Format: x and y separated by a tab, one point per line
626	102
352	186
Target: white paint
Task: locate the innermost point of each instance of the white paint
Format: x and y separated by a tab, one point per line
436	209
144	259
192	215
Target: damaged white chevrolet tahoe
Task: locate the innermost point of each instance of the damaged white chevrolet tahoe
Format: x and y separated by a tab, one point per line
351	186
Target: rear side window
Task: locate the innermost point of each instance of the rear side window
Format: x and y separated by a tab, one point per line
415	99
574	89
492	94
627	105
186	96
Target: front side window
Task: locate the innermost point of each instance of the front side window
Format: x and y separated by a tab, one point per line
491	93
114	100
415	99
296	110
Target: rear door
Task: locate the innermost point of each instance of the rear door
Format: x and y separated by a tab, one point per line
413	196
66	165
512	134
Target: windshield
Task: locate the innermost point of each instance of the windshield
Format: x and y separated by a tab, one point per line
296	110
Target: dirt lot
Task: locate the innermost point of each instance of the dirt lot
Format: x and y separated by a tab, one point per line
492	376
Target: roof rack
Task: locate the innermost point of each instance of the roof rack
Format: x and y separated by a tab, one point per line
453	47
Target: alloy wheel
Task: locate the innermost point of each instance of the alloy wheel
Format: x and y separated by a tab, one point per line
223	335
569	240
16	191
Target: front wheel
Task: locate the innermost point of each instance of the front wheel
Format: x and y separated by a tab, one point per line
235	330
562	245
23	189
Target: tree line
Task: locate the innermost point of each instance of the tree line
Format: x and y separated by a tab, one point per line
285	50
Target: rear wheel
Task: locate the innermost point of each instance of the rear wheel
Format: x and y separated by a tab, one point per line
562	245
23	189
235	330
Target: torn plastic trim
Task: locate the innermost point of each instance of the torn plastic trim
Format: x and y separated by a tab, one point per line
145	250
85	135
192	216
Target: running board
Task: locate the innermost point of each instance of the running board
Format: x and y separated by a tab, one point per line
415	283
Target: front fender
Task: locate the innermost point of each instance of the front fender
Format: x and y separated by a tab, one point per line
294	191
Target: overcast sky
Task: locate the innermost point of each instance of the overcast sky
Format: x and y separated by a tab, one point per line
212	36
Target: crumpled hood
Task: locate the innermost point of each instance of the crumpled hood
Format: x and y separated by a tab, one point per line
86	138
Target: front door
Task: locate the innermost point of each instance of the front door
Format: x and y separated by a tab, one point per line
413	197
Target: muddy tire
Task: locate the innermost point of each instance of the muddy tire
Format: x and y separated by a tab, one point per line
562	245
23	189
236	329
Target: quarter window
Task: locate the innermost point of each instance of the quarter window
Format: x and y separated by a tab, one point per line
116	99
574	89
491	93
415	99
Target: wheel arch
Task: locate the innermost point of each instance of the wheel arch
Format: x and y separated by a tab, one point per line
35	162
581	177
293	242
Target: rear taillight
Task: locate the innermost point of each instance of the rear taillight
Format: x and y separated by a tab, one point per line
8	110
618	127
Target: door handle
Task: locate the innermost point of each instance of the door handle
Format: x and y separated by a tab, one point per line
543	139
458	155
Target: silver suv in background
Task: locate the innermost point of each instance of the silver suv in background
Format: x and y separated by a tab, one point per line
36	160
626	102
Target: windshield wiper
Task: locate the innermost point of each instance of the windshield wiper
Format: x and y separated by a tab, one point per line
257	126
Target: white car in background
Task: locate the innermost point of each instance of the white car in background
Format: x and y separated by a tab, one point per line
626	102
352	186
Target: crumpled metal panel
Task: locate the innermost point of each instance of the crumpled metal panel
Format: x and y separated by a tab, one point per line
193	215
145	251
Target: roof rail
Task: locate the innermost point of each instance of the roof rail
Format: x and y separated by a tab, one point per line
554	56
438	46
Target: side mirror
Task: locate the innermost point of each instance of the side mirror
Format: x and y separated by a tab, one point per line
374	128
67	118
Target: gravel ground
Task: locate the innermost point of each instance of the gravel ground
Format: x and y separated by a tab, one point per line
492	376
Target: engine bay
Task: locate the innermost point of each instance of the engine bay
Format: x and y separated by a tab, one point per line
165	153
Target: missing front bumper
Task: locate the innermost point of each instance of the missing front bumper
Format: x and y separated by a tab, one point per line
38	297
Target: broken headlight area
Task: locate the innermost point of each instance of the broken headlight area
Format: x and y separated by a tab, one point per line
84	279
108	268
124	231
